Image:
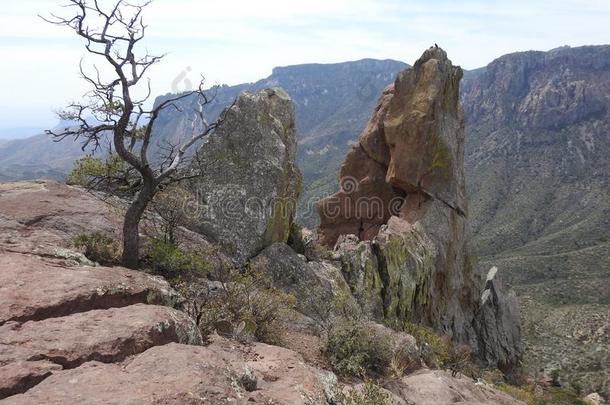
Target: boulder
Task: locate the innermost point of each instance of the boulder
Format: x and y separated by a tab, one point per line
594	399
34	287
433	387
44	216
122	332
403	197
182	374
247	195
311	282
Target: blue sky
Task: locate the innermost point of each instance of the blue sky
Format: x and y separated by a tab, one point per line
235	41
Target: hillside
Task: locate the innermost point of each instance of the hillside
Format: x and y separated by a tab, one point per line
537	166
36	157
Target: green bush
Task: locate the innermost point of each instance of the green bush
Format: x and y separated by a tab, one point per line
89	169
241	305
435	349
171	262
98	247
546	396
354	349
370	394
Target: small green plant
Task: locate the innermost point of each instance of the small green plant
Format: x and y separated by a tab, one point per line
369	394
171	262
556	378
98	247
240	304
110	174
542	396
435	349
355	349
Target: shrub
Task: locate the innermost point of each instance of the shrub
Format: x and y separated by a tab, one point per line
169	206
240	304
171	262
369	394
460	361
548	396
355	349
98	247
435	349
111	174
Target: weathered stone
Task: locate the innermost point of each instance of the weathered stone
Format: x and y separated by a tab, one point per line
119	332
373	139
498	327
34	288
293	274
365	200
360	269
20	370
594	399
247	197
432	387
43	216
182	374
424	130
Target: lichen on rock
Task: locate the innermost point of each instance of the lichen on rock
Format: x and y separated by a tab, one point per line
247	194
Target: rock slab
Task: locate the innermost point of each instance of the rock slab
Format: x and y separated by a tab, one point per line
246	198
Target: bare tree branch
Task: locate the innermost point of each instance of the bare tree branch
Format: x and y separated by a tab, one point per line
113	34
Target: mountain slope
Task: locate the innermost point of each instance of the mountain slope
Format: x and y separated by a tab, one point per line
37	157
537	162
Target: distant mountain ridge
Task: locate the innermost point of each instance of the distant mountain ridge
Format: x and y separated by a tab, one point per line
332	103
538	170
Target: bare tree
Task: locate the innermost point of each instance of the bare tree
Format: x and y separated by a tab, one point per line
112	34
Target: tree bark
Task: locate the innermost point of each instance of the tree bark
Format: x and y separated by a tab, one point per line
131	226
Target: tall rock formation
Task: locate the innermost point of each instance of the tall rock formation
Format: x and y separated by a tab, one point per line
247	196
403	195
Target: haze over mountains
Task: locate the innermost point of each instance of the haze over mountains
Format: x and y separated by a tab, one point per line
537	147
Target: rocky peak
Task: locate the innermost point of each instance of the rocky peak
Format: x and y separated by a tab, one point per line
540	90
410	152
403	196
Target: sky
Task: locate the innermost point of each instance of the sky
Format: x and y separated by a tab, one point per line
237	41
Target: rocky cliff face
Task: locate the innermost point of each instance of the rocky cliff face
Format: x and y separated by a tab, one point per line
403	195
537	166
246	199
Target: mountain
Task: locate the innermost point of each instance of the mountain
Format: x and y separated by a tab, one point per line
37	157
537	163
18	133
